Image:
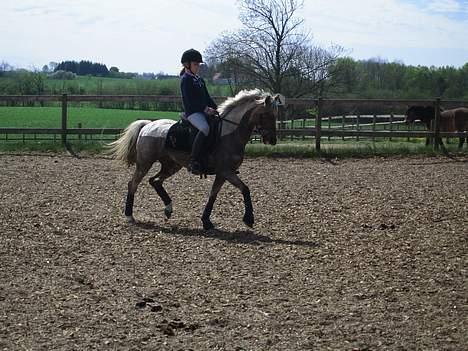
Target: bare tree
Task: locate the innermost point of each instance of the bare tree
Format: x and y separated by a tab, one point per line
272	50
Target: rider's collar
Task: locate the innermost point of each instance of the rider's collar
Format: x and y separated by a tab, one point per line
188	72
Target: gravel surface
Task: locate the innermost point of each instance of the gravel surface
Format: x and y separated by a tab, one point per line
344	255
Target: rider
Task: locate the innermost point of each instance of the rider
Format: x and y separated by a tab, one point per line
197	104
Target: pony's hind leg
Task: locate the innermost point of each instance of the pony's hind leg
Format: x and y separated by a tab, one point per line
168	168
140	172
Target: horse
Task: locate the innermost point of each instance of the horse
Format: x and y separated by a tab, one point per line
455	120
145	142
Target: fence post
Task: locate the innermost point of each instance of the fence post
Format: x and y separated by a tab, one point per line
437	123
391	125
282	124
374	125
64	118
318	124
342	126
358	126
303	127
292	127
79	127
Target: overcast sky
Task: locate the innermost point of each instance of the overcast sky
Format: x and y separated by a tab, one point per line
150	35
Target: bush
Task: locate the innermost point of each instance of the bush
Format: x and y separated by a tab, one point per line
62	75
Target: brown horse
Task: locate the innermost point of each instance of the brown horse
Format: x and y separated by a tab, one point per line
455	120
144	142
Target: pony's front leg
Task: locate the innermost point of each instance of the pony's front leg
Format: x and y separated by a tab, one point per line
217	184
248	214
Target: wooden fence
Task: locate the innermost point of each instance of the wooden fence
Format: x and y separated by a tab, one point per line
317	109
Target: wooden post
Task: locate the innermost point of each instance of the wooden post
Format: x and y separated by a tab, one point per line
79	134
64	118
342	125
329	125
303	127
437	123
374	125
357	126
318	124
292	127
282	123
391	124
410	128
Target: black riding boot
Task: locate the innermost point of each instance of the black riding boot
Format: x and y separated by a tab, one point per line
195	165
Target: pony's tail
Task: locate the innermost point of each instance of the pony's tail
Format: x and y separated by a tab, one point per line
124	148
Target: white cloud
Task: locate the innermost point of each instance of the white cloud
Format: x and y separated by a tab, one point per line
447	6
389	24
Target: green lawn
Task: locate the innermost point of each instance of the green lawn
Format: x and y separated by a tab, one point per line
50	117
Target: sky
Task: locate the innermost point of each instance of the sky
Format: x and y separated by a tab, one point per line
150	35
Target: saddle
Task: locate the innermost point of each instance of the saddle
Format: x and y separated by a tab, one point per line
181	135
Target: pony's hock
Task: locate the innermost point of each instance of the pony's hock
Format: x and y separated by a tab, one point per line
144	142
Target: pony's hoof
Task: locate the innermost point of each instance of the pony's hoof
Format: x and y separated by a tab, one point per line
249	220
207	224
168	211
130	219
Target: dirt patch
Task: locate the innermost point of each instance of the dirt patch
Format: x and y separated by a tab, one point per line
358	255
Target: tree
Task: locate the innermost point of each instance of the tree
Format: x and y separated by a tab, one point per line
272	50
83	68
5	67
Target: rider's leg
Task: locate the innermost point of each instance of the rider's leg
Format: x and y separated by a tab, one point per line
198	120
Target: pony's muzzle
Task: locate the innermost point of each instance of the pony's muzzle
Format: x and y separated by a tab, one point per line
269	139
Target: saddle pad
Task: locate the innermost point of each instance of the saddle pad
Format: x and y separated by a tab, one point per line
157	129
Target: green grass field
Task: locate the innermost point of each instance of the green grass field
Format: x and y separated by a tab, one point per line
50	117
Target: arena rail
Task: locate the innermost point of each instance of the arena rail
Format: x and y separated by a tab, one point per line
318	105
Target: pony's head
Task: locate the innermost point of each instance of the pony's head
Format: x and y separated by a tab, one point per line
422	113
254	109
264	116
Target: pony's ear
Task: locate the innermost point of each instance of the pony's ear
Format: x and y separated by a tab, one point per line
280	100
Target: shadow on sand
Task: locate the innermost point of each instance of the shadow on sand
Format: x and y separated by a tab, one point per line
238	237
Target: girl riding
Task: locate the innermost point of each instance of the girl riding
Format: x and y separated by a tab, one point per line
198	104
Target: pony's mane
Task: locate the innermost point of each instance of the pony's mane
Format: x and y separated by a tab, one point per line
242	97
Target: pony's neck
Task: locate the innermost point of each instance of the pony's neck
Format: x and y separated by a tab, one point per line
246	127
243	130
235	118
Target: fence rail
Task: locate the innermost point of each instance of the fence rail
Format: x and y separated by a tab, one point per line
319	105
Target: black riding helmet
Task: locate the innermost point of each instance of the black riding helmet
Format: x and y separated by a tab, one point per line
191	55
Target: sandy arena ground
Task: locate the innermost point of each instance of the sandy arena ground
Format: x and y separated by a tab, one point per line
345	255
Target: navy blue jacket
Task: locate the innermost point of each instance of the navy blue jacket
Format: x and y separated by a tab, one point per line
195	96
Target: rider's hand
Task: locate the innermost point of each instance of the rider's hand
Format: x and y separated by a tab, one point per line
210	111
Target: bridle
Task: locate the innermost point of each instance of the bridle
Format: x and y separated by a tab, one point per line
263	132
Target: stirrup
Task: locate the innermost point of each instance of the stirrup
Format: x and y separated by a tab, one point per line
195	167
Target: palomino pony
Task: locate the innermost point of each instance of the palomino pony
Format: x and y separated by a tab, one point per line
455	120
144	142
